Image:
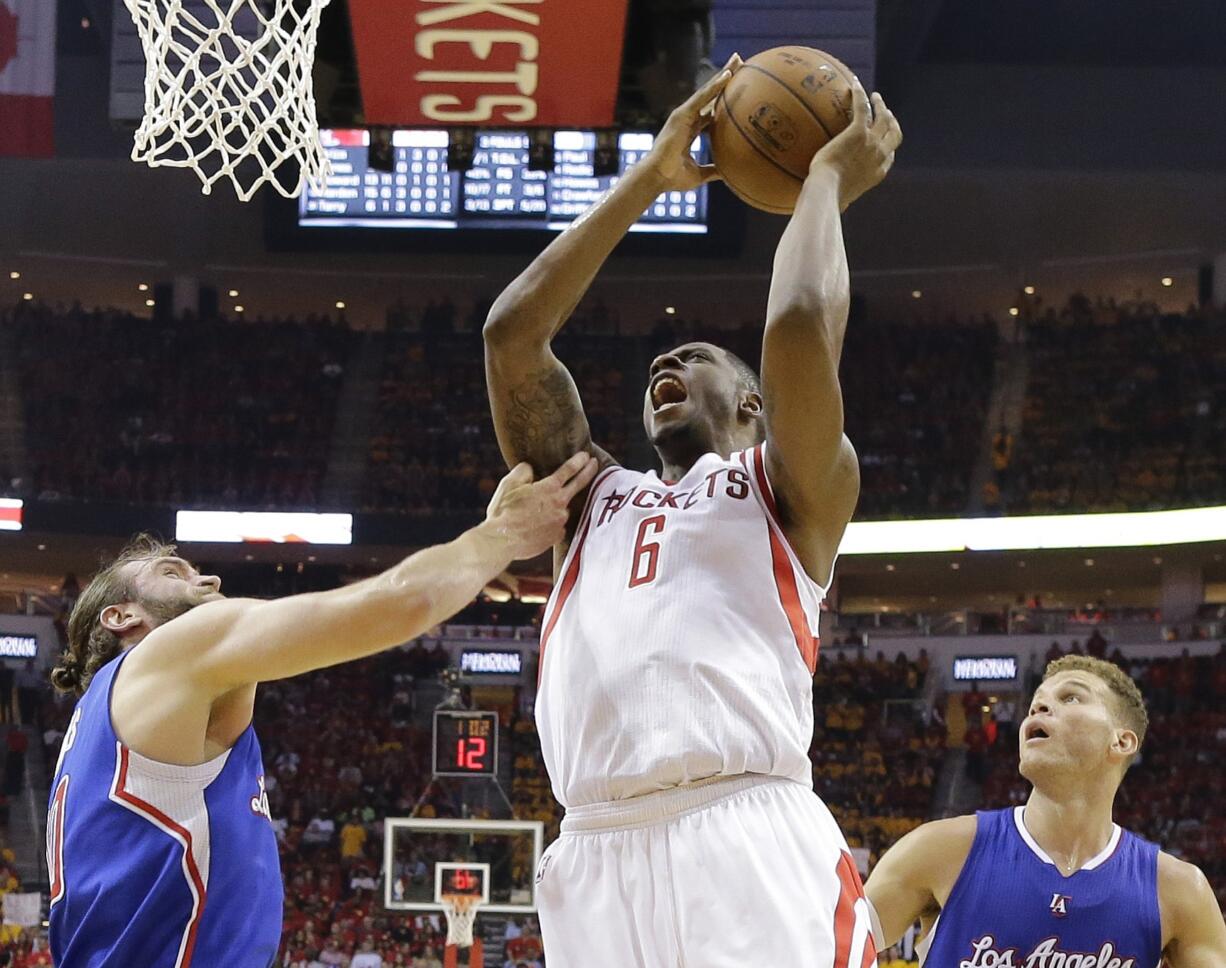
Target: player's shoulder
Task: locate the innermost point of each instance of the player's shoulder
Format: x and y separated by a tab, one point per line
939	845
1182	887
1188	903
952	835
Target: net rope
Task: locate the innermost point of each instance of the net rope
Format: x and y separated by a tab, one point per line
461	912
228	92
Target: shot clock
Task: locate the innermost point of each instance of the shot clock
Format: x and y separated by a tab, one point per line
465	743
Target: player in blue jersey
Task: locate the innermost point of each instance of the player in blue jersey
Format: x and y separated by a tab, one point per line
160	847
1054	884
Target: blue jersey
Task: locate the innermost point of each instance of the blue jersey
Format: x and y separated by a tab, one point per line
1012	908
158	866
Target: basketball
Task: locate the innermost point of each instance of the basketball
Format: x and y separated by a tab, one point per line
771	119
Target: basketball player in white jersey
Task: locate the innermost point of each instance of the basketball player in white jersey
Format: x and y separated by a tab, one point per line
678	646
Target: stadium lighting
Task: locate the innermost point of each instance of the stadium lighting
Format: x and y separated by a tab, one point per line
27	296
143	287
262	527
1038	531
149	303
1168	281
916	293
10	514
1013	310
238	309
1029	290
14	274
233	293
670	310
340	304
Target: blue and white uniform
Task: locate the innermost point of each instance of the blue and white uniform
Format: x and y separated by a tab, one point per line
1012	908
155	865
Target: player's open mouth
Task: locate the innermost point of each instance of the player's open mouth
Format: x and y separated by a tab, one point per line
1036	733
667	391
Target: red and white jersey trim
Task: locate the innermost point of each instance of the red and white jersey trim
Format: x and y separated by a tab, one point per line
172	799
678	643
570	567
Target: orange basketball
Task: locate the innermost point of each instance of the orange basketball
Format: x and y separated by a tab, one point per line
771	119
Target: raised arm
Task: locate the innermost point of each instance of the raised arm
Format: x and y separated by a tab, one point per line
809	459
538	415
914	878
192	679
1194	934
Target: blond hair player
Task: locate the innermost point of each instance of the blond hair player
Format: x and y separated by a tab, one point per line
675	707
1055	883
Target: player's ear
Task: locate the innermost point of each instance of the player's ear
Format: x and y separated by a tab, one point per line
120	619
750	406
1126	743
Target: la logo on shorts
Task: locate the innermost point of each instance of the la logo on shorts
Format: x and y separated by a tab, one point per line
1059	905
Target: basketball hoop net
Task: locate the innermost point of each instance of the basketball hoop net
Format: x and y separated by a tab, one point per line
228	91
461	913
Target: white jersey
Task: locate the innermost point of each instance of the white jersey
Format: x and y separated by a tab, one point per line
680	639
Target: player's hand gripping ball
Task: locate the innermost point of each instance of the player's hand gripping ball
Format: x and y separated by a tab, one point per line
778	110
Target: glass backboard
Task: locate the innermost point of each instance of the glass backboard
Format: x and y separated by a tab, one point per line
414	849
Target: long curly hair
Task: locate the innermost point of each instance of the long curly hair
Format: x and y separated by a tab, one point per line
90	645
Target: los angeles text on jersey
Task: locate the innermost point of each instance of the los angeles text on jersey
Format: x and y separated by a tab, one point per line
649	499
1044	955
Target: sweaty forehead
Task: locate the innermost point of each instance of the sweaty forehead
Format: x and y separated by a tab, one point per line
1087	682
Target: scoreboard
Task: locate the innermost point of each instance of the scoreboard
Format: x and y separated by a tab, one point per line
497	192
465	743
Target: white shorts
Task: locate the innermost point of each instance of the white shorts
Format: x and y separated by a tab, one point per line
734	872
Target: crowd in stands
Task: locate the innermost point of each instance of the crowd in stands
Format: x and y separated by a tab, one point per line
875	751
21	695
190	412
1172	794
1125	410
915	399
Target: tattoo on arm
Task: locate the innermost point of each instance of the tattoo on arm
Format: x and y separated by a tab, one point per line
545	419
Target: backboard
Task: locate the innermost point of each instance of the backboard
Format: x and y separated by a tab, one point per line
418	855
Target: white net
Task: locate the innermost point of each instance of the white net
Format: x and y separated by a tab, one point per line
461	912
228	92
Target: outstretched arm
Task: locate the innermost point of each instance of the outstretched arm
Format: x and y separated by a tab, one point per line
537	412
202	666
915	876
810	461
1194	934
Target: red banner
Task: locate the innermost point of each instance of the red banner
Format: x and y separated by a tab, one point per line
27	78
489	63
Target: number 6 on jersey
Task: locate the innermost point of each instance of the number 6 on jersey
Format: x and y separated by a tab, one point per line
646	553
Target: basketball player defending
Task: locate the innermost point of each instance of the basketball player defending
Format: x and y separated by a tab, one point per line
675	707
160	846
1055	882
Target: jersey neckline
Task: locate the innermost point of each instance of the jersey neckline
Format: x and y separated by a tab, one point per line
1113	842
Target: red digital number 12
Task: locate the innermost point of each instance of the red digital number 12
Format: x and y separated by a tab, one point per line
470	752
